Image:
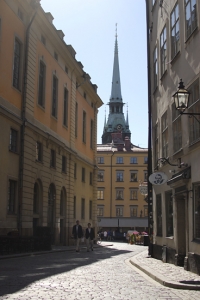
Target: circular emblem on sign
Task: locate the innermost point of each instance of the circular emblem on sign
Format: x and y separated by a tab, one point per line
143	189
158	178
119	126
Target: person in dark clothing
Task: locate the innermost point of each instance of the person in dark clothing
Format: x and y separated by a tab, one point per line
77	233
89	235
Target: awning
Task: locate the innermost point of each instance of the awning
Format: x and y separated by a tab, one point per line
123	222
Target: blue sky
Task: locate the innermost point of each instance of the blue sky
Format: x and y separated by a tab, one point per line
89	26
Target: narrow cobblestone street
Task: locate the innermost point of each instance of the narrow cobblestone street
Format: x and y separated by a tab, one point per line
104	273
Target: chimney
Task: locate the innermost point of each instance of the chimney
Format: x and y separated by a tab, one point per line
127	143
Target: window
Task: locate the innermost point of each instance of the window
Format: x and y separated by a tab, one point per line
90	210
43	40
133	160
164	135
65	108
54	97
145	160
56	55
133	194
84	127
83	175
156	144
163	50
53	159
175	34
36	199
119	160
100	160
100	176
159	214
169	214
119	194
74	207
155	68
74	170
91	178
91	133
176	128
82	208
100	211
64	164
13	140
17	64
197	210
39	151
133	176
190	17
119	211
133	210
194	125
41	90
145	176
119	176
76	120
12	196
145	211
100	194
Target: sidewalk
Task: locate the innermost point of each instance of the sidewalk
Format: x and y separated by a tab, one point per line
166	274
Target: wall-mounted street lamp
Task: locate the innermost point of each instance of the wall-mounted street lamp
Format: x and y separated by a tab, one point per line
181	100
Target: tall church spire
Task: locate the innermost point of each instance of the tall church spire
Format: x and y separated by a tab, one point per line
116	85
116	124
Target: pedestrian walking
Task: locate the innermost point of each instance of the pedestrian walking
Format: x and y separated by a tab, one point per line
105	235
89	235
77	233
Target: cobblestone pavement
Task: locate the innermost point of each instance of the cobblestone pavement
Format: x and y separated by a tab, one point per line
103	274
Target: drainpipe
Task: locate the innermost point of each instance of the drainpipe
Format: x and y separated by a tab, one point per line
35	5
150	199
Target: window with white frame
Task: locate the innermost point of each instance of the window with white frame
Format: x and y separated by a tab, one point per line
119	160
100	211
119	211
91	133
119	176
119	194
17	64
84	127
38	151
175	33
196	189
133	194
83	175
65	107
54	97
155	67
164	122
41	89
100	160
133	210
146	160
169	214
194	125
156	152
100	176
13	140
163	50
100	194
133	176
176	129
190	17
133	160
159	214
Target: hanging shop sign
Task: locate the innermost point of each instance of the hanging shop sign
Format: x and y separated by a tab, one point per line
158	178
143	188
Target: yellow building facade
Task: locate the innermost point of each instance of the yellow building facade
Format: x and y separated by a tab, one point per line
48	126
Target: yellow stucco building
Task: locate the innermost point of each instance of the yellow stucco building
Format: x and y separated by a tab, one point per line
48	126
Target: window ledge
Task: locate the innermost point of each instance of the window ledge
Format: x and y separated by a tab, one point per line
170	237
178	152
14	152
190	36
39	161
194	143
196	241
41	107
176	56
